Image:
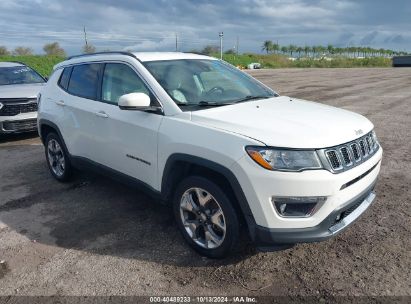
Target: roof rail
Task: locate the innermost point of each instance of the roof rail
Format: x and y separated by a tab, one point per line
103	53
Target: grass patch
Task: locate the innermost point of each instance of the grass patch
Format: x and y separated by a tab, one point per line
44	64
280	61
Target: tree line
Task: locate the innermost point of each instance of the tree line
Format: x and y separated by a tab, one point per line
54	49
329	50
50	49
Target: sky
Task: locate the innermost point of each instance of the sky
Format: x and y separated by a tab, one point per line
152	25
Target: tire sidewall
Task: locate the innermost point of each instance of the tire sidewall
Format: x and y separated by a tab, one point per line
232	223
67	170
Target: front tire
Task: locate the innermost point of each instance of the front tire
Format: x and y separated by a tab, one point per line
57	158
206	217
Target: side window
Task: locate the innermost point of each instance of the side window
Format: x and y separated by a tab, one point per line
64	78
120	79
84	80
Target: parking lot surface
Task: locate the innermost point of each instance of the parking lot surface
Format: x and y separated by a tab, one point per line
95	236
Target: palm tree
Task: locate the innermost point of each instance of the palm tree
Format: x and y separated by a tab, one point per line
330	49
292	48
284	49
315	50
267	46
275	48
307	50
299	51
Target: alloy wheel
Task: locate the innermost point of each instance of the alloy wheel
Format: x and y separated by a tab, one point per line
203	218
56	157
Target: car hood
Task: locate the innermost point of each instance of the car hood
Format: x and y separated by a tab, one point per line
20	90
287	122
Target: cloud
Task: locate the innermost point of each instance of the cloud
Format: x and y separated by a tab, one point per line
344	39
152	25
369	38
397	39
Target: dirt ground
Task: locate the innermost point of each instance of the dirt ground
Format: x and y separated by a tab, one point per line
95	236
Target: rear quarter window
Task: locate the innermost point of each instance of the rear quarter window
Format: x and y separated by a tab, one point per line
64	78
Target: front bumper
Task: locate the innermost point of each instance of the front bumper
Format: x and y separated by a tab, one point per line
260	186
329	227
26	122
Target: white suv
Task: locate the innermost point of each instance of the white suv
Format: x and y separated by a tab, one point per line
19	87
233	157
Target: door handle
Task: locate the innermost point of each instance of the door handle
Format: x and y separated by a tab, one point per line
60	103
101	114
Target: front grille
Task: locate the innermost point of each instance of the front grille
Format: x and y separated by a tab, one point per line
346	156
364	150
343	157
355	151
369	144
13	107
20	125
334	160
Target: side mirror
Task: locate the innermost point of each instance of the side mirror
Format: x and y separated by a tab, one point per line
134	101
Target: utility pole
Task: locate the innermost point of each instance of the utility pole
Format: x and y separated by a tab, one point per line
176	42
236	47
221	35
85	35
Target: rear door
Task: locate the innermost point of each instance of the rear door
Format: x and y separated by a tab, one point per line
81	107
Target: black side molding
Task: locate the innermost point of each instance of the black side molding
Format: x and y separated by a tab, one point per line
83	163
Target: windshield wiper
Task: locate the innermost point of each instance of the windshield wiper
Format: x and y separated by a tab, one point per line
250	97
213	104
204	103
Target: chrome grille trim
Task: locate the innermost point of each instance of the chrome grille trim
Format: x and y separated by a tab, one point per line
334	160
363	148
356	152
349	155
346	155
370	145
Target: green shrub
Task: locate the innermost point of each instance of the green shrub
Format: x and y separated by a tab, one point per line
44	64
281	61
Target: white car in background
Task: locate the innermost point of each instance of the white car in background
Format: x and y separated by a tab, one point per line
19	87
233	157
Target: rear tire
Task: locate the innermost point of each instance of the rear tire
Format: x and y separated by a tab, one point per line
58	160
206	218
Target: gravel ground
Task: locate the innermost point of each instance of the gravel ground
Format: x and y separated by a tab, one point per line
95	236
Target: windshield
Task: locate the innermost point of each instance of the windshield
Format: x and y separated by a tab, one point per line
19	75
198	82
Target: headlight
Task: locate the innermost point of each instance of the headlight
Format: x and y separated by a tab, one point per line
284	160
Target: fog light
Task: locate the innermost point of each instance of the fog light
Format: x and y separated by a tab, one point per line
298	206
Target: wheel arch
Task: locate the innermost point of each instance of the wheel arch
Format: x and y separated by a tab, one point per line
45	127
179	166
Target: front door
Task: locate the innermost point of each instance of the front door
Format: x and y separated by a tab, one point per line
127	140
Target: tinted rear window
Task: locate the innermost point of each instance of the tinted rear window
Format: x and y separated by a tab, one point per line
64	78
84	80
